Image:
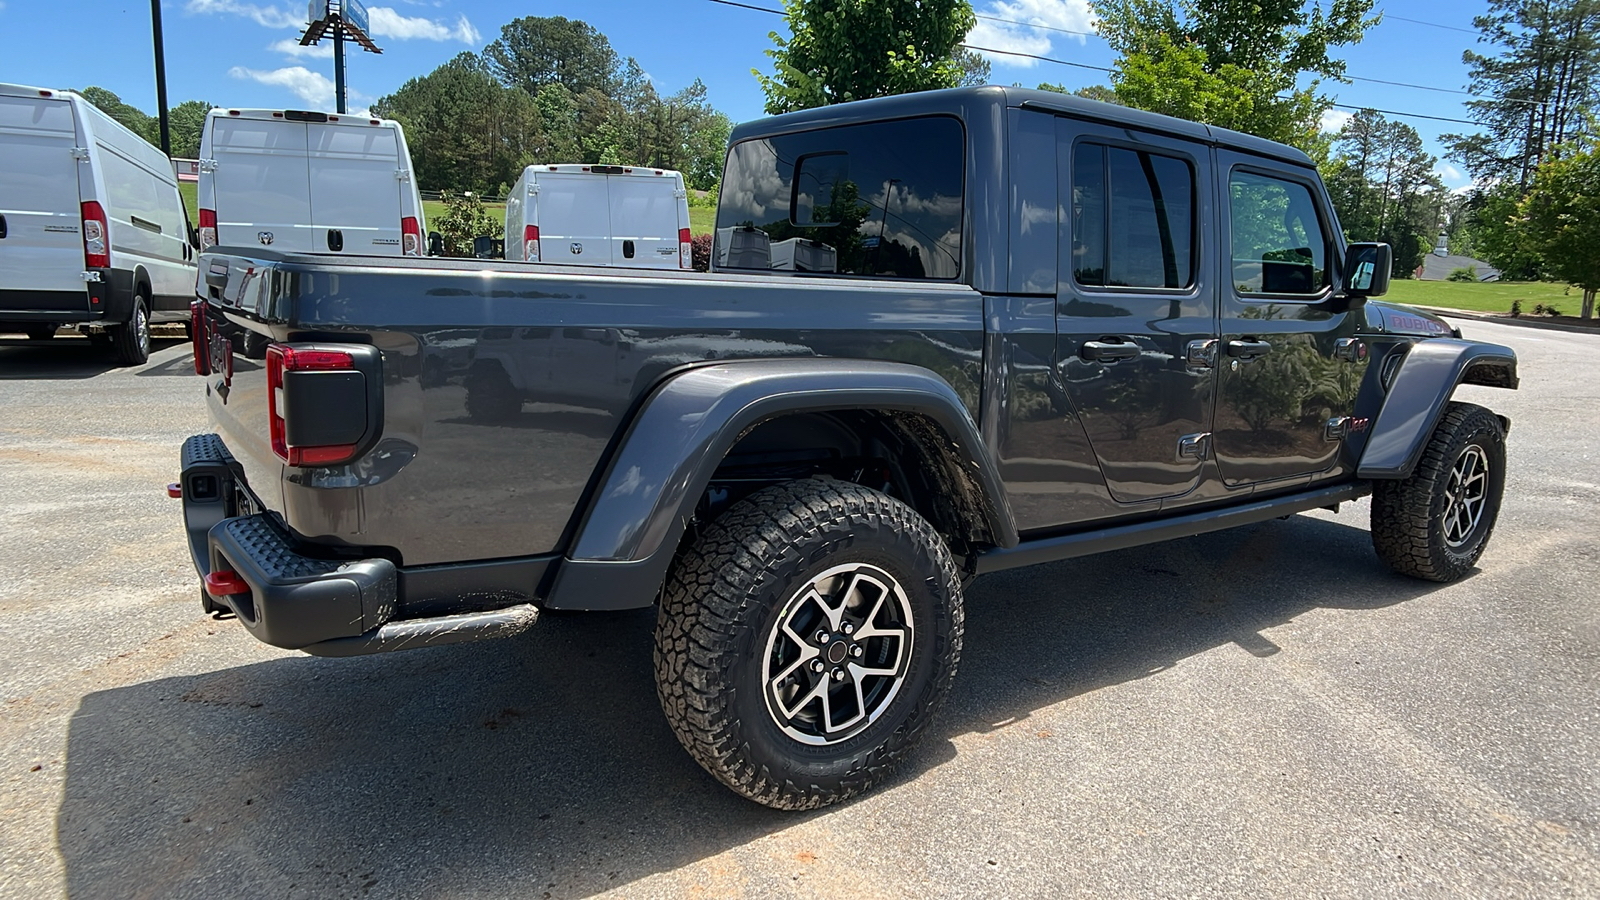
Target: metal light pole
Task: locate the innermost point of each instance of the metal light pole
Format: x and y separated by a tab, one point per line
338	67
161	78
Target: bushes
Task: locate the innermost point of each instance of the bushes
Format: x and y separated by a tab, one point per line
700	252
1465	273
464	219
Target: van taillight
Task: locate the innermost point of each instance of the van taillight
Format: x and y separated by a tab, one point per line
199	338
208	228
530	243
410	236
96	242
685	249
283	360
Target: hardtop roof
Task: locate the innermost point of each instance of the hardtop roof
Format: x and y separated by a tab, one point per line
965	102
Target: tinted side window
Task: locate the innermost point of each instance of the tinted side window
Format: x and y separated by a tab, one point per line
1133	218
1278	243
882	199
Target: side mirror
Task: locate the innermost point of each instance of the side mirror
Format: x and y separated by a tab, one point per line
435	244
194	237
1366	270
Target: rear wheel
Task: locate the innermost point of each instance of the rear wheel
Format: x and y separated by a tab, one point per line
806	640
42	332
1435	524
130	342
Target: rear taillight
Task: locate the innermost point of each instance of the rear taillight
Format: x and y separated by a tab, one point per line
410	236
199	338
208	228
282	360
530	243
685	249
96	240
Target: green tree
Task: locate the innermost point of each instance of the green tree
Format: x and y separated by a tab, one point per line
534	51
185	122
975	68
1536	91
465	129
1090	92
1233	63
465	218
843	50
136	120
1561	215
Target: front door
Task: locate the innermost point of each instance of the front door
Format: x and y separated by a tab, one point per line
1289	364
1136	308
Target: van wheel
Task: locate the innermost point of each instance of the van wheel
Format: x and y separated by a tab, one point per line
130	342
806	640
41	332
1435	524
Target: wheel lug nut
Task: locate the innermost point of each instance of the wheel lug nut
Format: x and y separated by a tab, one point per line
817	666
838	674
823	637
856	651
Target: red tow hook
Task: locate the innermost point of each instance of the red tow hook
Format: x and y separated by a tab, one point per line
223	584
175	491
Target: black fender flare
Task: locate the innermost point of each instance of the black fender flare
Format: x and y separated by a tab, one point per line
635	516
1427	378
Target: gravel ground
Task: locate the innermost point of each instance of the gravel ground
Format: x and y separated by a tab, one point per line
1263	711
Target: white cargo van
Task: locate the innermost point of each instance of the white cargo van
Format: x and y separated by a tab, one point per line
599	216
308	182
92	231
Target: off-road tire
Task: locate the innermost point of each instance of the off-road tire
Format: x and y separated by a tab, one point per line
130	341
42	332
726	596
1408	530
491	397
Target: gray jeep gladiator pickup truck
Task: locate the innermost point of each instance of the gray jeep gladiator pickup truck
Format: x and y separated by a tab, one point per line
948	333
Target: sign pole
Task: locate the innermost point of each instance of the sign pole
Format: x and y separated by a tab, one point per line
338	66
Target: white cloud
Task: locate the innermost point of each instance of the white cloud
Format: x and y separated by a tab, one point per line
1334	119
391	24
270	16
309	86
293	48
1451	175
1071	15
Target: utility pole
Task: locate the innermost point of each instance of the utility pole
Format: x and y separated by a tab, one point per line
161	78
338	67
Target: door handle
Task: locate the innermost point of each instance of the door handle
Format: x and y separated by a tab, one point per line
1108	350
1248	349
335	240
2	228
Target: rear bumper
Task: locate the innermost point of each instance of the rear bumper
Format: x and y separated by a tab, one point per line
335	607
108	299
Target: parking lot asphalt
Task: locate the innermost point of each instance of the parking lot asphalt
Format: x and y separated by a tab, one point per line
1265	711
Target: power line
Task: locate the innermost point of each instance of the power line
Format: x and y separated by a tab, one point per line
1040	27
1387	16
1078	65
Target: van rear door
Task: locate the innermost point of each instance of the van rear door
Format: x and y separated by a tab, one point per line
355	193
42	249
574	219
644	221
261	191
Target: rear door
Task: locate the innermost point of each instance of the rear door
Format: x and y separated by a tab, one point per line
42	247
574	219
355	192
644	221
1136	307
262	194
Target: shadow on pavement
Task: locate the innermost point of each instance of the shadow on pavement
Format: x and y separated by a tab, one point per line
71	358
543	764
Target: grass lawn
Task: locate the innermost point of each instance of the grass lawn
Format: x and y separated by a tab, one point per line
1485	296
188	190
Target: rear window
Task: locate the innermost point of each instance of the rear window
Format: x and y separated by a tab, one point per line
882	199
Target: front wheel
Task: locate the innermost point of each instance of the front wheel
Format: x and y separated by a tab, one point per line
806	640
1435	524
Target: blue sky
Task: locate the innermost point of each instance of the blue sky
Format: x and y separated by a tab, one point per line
243	53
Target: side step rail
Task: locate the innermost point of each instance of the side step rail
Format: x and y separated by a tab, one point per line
1121	537
410	634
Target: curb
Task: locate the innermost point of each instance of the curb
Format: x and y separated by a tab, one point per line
1498	319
